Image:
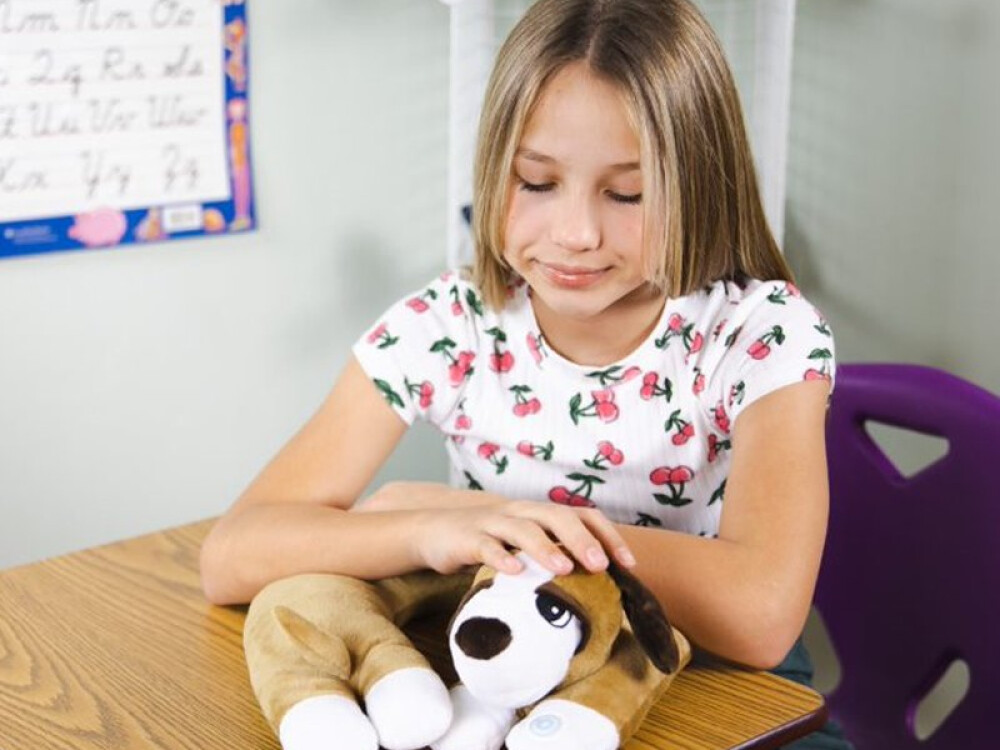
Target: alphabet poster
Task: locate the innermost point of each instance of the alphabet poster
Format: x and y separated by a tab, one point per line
122	121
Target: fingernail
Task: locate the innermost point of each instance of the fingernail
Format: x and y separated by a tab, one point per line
627	558
595	556
561	562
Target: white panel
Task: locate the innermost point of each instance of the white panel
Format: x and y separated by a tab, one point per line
471	54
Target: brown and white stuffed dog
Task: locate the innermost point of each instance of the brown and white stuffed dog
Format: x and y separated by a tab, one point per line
544	662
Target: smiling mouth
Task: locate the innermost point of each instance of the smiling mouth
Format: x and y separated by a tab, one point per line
571	277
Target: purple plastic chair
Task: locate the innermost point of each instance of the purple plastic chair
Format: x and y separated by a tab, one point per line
911	571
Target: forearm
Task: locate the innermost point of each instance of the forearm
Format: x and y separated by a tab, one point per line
724	595
719	592
403	495
260	543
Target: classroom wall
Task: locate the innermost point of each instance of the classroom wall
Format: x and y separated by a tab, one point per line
143	387
893	178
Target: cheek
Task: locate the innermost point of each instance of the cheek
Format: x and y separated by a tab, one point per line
525	223
627	230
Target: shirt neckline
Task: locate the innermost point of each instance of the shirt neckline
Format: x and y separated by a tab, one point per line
546	358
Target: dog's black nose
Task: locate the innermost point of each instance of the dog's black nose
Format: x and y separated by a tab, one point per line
482	637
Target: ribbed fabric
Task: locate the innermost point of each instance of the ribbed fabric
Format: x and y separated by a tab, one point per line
646	439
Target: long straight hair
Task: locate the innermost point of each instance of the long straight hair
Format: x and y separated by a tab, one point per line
703	219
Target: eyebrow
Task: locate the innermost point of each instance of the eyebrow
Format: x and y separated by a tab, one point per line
527	153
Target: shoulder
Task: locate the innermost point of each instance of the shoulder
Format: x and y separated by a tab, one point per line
447	306
422	351
760	335
734	313
739	300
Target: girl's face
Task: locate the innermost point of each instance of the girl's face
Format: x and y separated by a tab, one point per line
574	223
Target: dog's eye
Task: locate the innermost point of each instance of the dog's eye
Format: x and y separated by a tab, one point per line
553	610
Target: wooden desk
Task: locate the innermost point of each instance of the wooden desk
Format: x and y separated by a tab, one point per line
114	648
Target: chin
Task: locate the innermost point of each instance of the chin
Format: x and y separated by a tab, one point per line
579	309
581	304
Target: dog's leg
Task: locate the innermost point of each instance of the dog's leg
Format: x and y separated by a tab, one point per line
602	710
300	668
404	698
313	643
475	726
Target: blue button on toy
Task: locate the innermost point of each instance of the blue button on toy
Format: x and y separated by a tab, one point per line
545	725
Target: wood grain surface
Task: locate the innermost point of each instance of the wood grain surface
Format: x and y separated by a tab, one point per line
115	648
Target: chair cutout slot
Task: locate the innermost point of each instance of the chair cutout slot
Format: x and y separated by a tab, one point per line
907	451
940	701
816	639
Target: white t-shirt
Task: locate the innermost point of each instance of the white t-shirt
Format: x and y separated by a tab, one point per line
647	439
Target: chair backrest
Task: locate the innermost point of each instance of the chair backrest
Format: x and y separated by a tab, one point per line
911	570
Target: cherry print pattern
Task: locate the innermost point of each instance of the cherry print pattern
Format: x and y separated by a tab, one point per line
382	337
602	406
606	454
675	480
489	452
529	449
524	406
579	496
651	387
486	379
501	360
423	392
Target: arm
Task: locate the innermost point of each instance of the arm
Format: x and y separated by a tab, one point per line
745	596
295	516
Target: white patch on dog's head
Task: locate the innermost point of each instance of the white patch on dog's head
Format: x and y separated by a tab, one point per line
532	639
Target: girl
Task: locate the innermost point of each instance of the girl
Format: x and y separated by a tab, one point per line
628	371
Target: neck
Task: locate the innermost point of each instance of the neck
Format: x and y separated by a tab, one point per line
604	339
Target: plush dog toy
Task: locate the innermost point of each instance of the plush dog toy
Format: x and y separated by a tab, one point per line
544	661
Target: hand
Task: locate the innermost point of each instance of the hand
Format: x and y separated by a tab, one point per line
450	538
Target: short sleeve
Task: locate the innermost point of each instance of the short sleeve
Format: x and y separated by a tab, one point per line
775	338
421	353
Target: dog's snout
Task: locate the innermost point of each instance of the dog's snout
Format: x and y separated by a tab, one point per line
483	637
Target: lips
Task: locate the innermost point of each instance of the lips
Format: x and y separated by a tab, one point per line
571	277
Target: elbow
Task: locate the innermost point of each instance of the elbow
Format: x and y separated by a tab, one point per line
216	585
766	634
767	652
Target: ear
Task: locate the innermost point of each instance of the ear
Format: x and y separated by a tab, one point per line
310	643
648	620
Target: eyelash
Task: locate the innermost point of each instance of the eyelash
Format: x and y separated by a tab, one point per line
531	187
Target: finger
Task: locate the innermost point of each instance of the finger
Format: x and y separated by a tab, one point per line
532	539
609	536
493	553
567	527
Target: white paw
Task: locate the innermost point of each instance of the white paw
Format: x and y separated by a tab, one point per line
475	726
326	722
563	725
409	708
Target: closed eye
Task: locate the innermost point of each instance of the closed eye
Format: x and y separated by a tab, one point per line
533	187
629	199
545	187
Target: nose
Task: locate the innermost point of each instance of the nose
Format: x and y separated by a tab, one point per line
576	224
482	637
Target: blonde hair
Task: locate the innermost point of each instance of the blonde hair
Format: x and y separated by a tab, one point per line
680	96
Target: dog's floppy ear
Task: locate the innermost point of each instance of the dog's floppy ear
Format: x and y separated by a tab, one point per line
648	620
